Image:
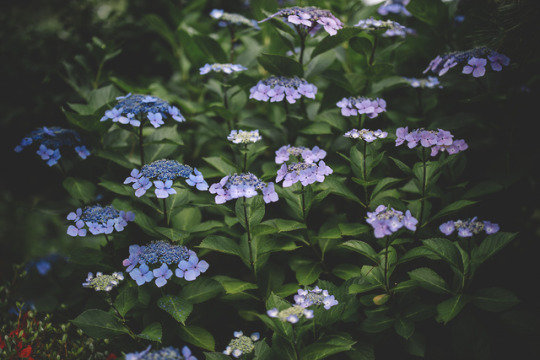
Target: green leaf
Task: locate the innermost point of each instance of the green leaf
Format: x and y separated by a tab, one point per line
347	271
174	235
308	273
80	189
216	356
362	248
201	290
404	328
280	65
197	336
429	280
449	309
330	42
176	306
432	12
453	207
211	47
221	244
402	166
362	44
376	323
415	253
253	211
490	246
126	300
224	166
495	299
99	324
234	286
115	157
326	347
446	250
152	332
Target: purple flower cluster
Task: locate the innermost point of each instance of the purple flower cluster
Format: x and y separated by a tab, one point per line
224	68
306	173
316	296
227	19
98	219
163	173
474	61
437	140
430	83
386	221
353	106
135	109
161	254
309	156
366	135
242	185
469	227
310	18
50	140
277	88
392	28
241	344
168	353
394	7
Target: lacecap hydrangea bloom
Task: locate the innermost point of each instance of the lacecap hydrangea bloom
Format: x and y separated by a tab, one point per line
315	297
291	314
474	61
241	344
437	140
353	106
221	68
162	173
391	28
226	19
98	220
469	227
366	134
310	18
242	185
103	282
277	88
305	173
244	136
151	262
307	155
49	141
386	221
394	7
168	353
430	82
134	109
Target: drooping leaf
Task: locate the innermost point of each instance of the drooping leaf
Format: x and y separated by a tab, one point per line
176	306
99	324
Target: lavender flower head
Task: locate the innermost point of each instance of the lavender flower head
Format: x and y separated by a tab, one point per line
391	28
221	68
316	296
244	137
49	141
437	140
135	109
168	353
394	7
430	82
366	135
310	18
305	173
307	155
229	19
102	282
277	88
242	185
469	227
163	173
157	261
98	220
474	61
292	314
353	106
241	344
386	221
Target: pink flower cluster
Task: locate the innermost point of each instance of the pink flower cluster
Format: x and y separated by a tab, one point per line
437	140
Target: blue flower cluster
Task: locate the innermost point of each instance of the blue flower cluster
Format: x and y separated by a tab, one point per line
135	109
224	68
284	153
277	88
430	83
469	227
44	264
394	7
475	61
310	18
242	185
437	140
51	140
163	173
386	221
162	254
168	353
306	173
316	296
241	344
226	19
392	28
99	220
354	106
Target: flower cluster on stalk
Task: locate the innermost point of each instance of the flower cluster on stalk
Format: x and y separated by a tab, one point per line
221	68
103	282
160	255
168	353
304	299
310	18
353	106
244	136
226	19
437	140
469	227
277	88
242	185
50	140
391	28
474	61
133	109
162	173
430	82
386	221
366	134
308	155
305	173
241	344
394	7
98	220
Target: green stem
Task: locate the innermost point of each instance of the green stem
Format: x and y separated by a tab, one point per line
225	89
422	200
364	153
233	40
123	319
98	75
386	277
248	236
141	143
302	35
372	55
245	158
165	217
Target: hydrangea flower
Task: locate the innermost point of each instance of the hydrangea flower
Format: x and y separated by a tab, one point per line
168	353
309	156
469	227
242	185
162	173
310	18
292	314
366	135
306	173
430	82
244	137
159	260
224	68
386	221
241	344
43	264
99	220
103	282
353	106
226	19
277	88
136	109
49	141
437	140
474	61
391	28
316	296
394	7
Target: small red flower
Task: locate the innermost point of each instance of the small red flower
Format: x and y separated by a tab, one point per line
112	357
26	352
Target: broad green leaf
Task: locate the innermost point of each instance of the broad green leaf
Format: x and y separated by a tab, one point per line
446	250
433	12
415	253
490	246
201	290
404	328
80	189
495	299
347	271
224	166
376	323
176	306
99	324
326	347
126	300
280	65
308	273
197	336
453	207
152	332
234	286
330	42
401	165
362	248
216	356
220	244
211	47
250	210
174	235
429	280
449	309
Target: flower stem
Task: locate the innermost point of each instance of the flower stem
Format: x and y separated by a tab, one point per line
302	35
245	158
372	55
233	40
141	144
422	200
364	153
165	217
248	236
123	319
386	278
